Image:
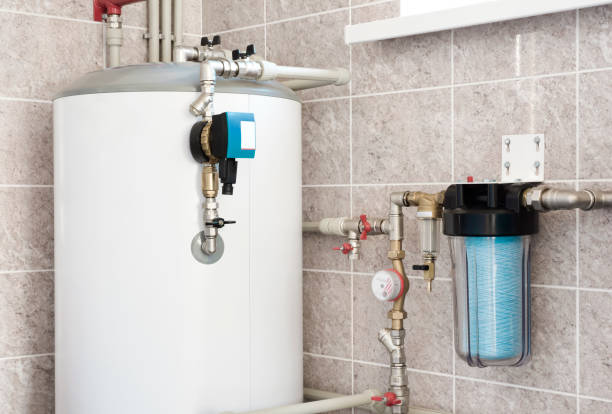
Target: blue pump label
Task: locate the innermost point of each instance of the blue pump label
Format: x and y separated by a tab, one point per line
242	139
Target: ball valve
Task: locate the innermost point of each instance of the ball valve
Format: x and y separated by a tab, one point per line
387	285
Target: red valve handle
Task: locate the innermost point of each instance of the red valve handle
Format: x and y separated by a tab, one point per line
366	227
389	397
345	248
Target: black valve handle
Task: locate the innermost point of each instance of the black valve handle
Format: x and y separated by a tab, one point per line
219	222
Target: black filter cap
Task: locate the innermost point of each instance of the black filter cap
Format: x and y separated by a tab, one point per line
488	210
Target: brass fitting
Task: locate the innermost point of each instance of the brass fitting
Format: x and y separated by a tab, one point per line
429	274
428	205
205	142
397	313
210	181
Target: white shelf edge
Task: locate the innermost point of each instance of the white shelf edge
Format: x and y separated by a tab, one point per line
460	17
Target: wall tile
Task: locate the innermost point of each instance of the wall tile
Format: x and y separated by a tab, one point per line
481	398
134	15
553	346
429	322
596	344
327	374
222	15
484	113
76	9
595	240
134	49
240	39
403	63
26	143
595	407
325	142
26	312
327	314
374	12
531	46
291	43
402	138
192	16
433	392
26	228
27	386
595	124
596	37
283	9
318	203
553	253
39	65
374	201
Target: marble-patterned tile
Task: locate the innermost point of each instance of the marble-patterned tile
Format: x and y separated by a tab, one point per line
284	9
327	374
402	138
594	243
434	392
596	344
27	385
135	15
134	50
553	346
374	12
192	16
291	43
481	398
595	407
483	113
374	202
29	71
403	63
26	228
222	15
327	310
26	143
429	322
595	124
326	142
523	47
26	312
596	37
318	203
75	9
553	252
240	39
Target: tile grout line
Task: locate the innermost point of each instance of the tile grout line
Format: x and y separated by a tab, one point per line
568	181
12	358
16	272
577	214
8	98
48	16
352	265
452	65
26	185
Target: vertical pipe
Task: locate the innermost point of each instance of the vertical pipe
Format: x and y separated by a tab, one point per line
178	25
153	6
166	30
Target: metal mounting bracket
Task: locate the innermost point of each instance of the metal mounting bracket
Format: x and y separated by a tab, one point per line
522	158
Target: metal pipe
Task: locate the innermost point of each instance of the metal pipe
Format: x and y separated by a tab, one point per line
166	30
114	39
300	84
543	198
178	25
337	76
322	406
153	10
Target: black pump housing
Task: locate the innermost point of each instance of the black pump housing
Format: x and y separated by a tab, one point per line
487	210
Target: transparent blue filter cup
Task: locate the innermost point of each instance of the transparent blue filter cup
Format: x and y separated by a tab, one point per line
492	299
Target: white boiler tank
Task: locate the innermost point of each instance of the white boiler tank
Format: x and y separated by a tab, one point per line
141	326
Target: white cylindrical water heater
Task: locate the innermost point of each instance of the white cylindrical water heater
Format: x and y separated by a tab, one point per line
142	327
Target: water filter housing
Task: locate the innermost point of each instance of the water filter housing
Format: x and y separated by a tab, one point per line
490	234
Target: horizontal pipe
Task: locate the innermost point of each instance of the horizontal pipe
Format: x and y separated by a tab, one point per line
322	406
342	226
543	198
336	76
300	84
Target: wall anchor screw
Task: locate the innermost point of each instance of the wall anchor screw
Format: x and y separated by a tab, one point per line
507	142
537	142
507	165
537	167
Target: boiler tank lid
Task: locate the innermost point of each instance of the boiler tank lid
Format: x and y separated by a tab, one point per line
171	77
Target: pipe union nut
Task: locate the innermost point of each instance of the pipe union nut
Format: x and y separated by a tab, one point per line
533	198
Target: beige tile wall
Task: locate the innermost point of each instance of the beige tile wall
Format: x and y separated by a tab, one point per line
455	92
46	44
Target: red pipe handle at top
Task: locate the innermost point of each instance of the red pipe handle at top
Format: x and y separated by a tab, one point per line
101	7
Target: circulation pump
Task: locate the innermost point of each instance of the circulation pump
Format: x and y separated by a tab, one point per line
490	233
